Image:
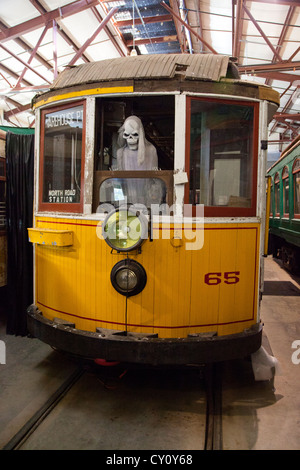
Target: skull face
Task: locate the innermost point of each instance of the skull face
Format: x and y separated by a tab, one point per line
131	134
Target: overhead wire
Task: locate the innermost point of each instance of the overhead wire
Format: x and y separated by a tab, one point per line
143	23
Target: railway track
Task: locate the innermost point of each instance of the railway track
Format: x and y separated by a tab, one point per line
213	387
206	409
33	423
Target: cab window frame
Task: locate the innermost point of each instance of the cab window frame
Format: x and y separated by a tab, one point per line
111	113
65	207
226	211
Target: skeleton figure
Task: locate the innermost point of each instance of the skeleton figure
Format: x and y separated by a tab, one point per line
136	153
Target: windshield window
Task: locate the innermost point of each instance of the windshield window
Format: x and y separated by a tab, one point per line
144	191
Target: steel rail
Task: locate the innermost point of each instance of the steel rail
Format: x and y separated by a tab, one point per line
31	425
213	384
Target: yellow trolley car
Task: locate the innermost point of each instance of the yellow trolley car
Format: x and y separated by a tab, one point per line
149	210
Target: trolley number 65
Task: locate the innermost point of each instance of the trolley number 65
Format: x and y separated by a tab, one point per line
229	277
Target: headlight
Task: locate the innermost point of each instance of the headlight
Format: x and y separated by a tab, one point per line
125	229
128	277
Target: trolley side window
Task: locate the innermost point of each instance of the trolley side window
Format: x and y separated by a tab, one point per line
285	191
296	178
277	194
222	156
271	198
62	155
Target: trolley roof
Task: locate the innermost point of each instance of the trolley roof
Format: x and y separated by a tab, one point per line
157	72
157	66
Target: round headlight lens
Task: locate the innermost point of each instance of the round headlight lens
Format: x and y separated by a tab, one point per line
124	230
128	277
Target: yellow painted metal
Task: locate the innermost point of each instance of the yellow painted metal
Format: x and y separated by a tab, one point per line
214	288
50	236
267	217
80	93
268	94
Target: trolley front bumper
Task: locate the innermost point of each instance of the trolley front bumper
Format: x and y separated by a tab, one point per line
141	348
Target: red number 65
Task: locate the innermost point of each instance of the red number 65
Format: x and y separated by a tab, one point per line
230	277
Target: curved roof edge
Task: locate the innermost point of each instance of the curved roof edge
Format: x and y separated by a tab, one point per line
157	66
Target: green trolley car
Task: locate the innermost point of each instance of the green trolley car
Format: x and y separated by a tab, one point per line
284	224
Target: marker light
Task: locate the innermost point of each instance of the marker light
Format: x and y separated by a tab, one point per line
128	277
125	229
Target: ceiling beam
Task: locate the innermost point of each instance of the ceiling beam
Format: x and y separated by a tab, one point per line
295	3
195	17
19	108
284	31
60	29
147	20
295	53
33	54
110	35
24	63
178	25
31	88
13	74
55	52
189	28
27	47
281	141
289	103
157	40
292	116
238	30
40	21
282	36
283	77
278	67
247	11
291	128
93	36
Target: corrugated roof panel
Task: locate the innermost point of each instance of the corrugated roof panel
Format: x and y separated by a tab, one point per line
160	66
199	67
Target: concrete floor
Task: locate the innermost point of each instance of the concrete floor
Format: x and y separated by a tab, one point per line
255	416
279	424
